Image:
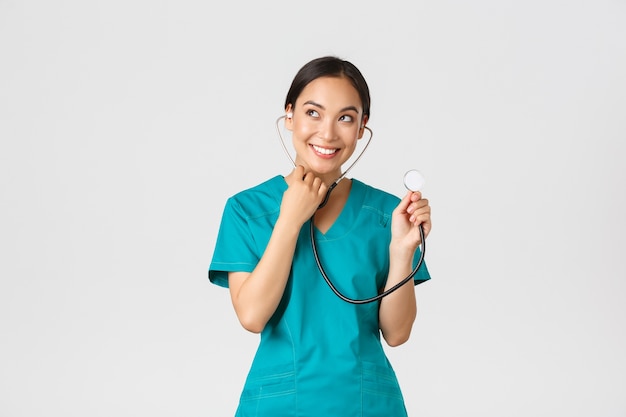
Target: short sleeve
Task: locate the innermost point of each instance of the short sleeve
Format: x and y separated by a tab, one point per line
235	249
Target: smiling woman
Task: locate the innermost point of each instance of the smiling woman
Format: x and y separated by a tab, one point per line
311	341
326	123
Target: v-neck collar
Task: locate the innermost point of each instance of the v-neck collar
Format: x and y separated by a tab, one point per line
346	218
348	214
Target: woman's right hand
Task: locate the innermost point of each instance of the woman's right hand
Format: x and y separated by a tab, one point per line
304	194
256	295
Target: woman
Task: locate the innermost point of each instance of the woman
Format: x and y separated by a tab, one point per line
319	355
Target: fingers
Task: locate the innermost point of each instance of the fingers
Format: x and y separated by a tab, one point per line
308	184
412	202
416	209
322	188
309	178
299	171
315	184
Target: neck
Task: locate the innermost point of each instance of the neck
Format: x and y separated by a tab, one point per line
341	189
329	178
326	216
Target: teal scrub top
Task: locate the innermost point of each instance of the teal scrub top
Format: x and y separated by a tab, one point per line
318	355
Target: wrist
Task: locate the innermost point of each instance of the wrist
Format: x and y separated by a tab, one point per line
400	253
287	226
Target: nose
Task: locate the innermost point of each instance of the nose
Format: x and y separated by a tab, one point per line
328	130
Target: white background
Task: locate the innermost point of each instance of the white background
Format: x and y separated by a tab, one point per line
125	125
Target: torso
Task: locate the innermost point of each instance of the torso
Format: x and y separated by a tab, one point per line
316	342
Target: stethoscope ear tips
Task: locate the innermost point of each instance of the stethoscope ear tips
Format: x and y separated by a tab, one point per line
289	115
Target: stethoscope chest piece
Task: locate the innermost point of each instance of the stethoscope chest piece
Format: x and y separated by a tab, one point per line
414	180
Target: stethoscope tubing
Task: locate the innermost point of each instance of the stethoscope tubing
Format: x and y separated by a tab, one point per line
312	230
379	296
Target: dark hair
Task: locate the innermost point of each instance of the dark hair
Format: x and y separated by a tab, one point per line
329	66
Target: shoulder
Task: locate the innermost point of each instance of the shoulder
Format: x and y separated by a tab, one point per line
260	199
377	199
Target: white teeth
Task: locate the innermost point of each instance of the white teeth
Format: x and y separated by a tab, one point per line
324	150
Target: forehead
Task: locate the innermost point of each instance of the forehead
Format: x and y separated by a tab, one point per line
331	92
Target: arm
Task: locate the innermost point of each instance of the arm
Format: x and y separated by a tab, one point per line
256	295
398	310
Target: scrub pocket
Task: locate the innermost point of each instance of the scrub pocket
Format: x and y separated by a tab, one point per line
381	392
269	392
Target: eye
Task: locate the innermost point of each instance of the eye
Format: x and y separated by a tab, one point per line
346	118
312	113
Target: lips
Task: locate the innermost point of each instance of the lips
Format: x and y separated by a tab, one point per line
324	151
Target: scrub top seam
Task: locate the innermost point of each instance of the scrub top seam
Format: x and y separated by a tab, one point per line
272	186
261	215
362	399
382	214
293	351
321	237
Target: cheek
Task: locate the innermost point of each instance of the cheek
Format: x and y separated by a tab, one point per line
355	136
302	131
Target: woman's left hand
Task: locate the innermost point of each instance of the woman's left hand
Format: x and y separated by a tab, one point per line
412	211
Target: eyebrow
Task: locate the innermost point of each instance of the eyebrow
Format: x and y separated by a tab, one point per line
311	102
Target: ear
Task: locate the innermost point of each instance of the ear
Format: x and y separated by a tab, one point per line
289	117
362	128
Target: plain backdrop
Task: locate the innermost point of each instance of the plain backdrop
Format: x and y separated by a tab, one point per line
125	125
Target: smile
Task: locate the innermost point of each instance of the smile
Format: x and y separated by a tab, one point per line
324	151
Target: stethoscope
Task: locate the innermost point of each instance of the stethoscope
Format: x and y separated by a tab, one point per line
413	181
